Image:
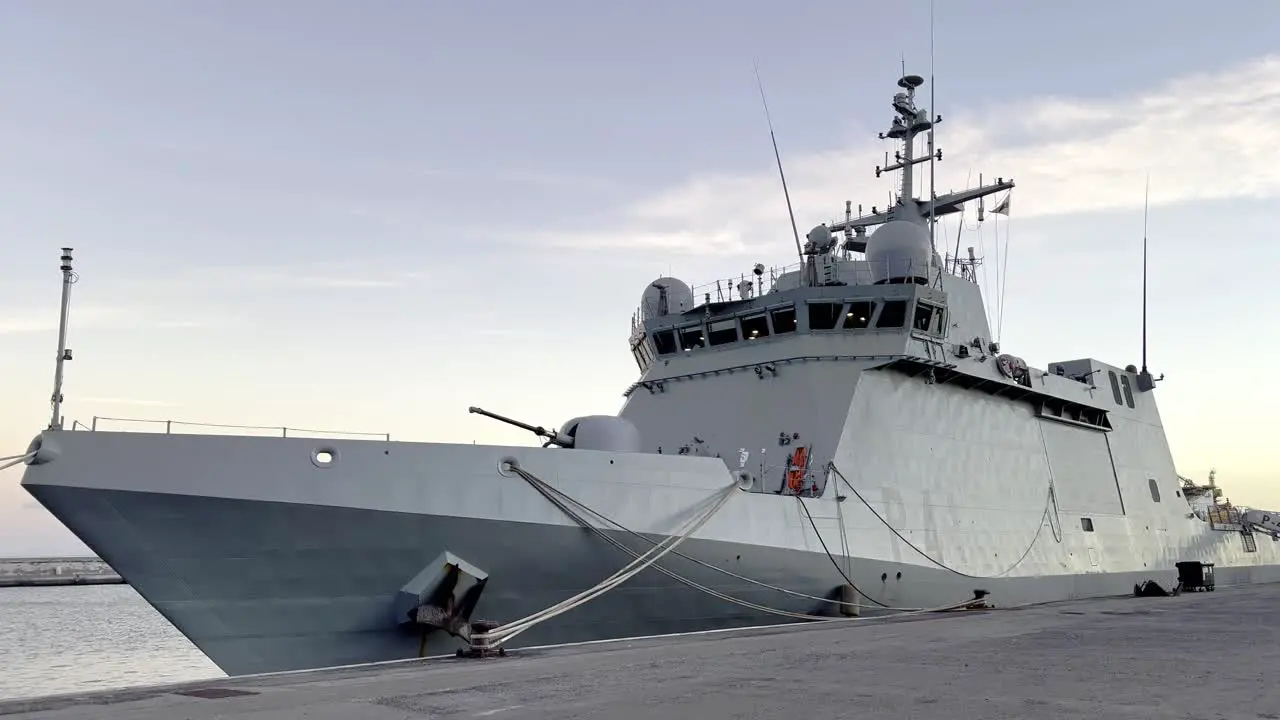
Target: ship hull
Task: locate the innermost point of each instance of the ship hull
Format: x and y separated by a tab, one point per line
267	563
266	586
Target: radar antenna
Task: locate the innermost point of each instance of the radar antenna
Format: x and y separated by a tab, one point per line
790	213
909	123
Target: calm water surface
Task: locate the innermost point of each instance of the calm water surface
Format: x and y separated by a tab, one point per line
71	639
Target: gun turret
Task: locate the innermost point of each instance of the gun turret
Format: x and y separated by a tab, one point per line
552	438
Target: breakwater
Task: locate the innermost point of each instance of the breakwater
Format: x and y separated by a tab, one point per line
43	572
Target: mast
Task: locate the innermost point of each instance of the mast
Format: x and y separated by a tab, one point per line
1145	381
778	157
64	354
1146	206
934	153
910	121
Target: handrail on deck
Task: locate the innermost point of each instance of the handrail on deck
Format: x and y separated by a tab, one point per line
856	272
170	424
729	289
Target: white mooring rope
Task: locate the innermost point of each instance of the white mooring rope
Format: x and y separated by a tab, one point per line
496	637
10	461
503	633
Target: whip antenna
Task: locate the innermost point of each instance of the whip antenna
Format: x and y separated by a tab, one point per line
778	157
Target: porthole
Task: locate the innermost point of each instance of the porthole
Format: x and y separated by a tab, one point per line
324	457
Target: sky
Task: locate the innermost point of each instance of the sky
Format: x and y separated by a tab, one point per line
370	216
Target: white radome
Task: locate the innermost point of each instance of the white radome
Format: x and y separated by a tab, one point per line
897	249
679	298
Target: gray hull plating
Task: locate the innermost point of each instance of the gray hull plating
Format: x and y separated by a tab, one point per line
265	586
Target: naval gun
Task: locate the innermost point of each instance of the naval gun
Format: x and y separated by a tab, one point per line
591	432
550	437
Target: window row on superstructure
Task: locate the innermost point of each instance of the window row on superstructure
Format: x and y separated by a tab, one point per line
819	315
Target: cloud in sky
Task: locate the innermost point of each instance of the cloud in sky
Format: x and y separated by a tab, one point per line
309	275
189	289
541	179
43	320
101	317
1201	137
127	401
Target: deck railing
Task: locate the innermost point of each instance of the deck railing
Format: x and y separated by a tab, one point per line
172	427
852	272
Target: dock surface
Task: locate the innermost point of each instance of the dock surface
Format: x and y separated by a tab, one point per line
1198	655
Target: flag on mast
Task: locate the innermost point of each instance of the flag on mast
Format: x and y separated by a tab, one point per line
1002	207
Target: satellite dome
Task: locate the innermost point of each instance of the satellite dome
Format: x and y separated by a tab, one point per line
679	298
820	240
899	250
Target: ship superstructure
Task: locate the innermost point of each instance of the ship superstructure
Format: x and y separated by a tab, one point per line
841	437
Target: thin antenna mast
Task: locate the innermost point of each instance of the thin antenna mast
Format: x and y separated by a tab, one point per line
68	279
790	213
955	265
1145	381
933	192
1146	207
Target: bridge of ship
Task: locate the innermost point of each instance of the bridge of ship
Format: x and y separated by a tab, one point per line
861	309
832	308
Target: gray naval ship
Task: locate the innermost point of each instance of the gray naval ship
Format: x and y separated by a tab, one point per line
841	437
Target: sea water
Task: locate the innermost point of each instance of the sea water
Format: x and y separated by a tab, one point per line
96	637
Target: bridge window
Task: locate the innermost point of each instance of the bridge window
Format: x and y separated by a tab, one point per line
722	332
940	321
641	353
784	320
893	314
1128	391
664	341
824	316
691	337
1115	387
1093	416
755	326
1155	489
858	316
924	317
1086	524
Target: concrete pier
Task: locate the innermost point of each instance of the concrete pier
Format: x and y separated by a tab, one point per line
41	572
1199	655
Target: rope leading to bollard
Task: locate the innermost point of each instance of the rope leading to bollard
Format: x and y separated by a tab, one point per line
561	500
494	638
11	460
503	633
